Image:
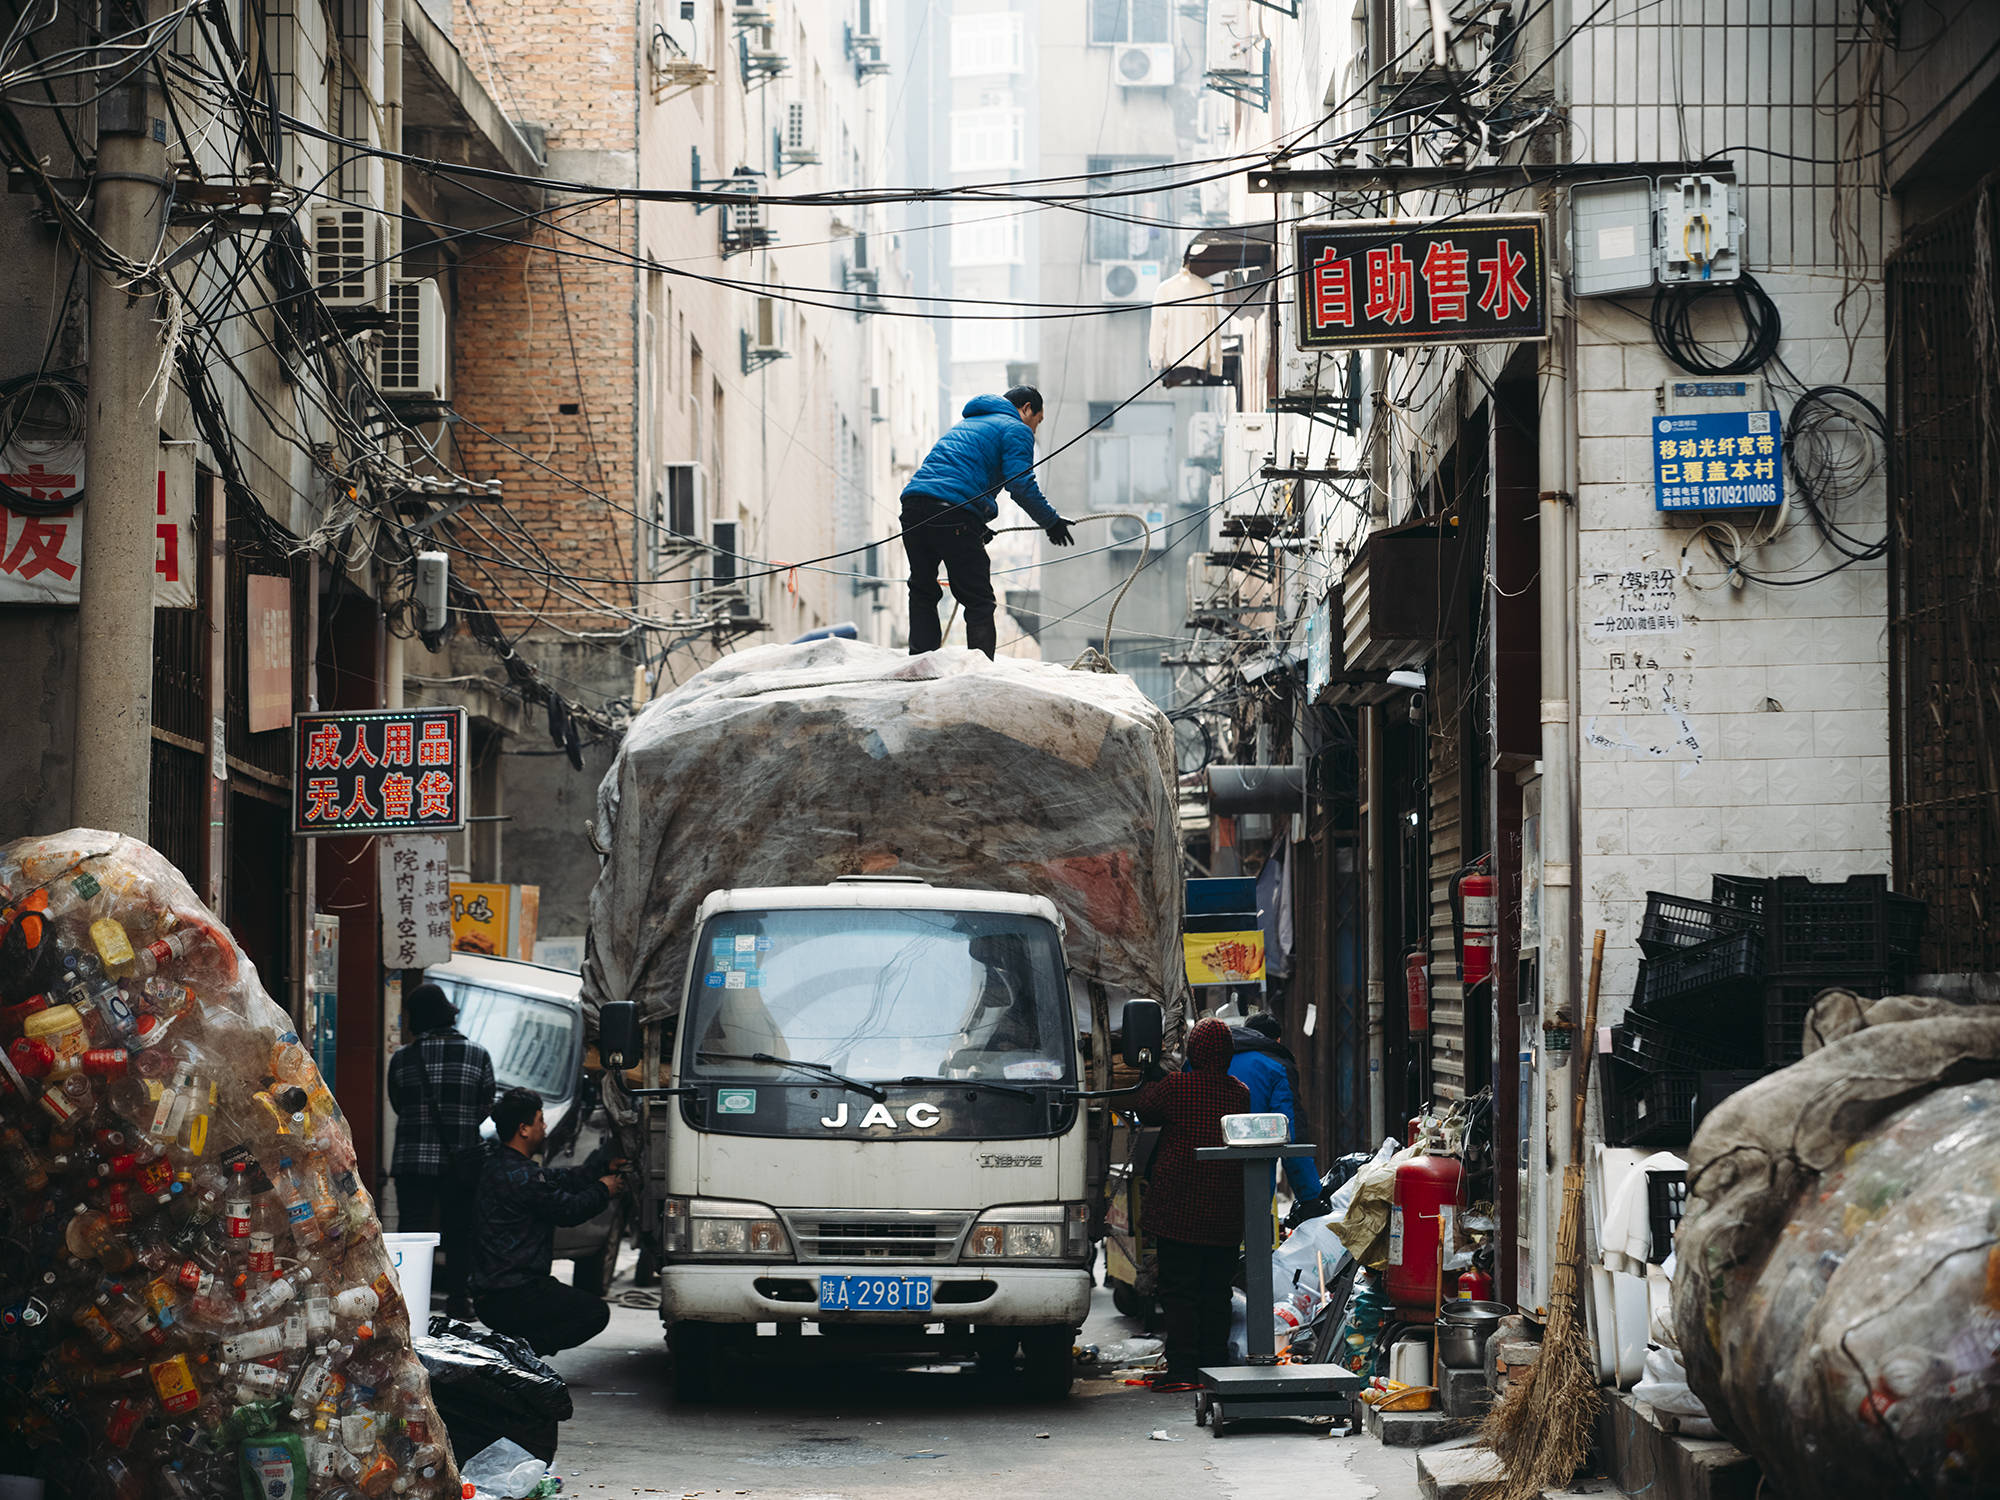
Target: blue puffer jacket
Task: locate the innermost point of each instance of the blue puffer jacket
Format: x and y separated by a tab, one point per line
1265	1067
990	450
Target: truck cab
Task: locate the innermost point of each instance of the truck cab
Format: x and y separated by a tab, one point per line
869	1130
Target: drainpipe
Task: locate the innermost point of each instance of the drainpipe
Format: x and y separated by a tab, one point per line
1557	516
392	125
1378	1116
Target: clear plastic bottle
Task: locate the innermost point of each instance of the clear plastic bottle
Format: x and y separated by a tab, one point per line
283	1287
297	1201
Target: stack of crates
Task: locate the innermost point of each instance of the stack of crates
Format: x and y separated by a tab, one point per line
1727	984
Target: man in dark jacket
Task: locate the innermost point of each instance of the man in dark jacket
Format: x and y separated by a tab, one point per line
1194	1210
949	502
1266	1066
441	1087
520	1205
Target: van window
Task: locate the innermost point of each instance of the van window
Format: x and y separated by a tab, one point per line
535	1043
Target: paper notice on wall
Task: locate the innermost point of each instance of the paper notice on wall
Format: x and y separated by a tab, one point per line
1312	1019
1641	602
416	900
41	556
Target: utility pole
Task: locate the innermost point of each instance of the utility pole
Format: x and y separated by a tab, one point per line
114	660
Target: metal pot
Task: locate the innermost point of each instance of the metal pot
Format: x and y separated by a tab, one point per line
1462	1346
1463	1331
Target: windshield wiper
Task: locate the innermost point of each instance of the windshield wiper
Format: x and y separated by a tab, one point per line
774	1061
974	1083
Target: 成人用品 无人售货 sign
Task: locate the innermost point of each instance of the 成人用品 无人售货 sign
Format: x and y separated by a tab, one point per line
1393	283
392	770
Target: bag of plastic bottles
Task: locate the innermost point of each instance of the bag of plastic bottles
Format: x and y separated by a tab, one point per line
199	1303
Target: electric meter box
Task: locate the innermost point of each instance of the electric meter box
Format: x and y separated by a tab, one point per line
1630	234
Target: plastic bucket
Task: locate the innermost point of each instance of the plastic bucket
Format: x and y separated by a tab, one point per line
410	1260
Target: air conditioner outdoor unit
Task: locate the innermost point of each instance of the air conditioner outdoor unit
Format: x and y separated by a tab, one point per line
1204	439
800	145
350	257
411	361
1232	39
1143	65
681	509
1128	280
1411	49
743	225
750	13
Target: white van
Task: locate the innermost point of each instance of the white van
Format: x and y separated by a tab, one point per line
530	1021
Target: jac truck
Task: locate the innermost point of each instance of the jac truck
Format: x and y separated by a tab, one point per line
866	1079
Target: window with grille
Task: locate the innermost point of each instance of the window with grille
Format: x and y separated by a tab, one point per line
1115	21
987	44
985	140
984	236
1136	211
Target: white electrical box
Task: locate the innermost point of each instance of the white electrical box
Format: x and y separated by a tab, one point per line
1701	229
433	579
1611	236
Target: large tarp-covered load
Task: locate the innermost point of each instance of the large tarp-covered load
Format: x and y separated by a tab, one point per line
1837	1291
796	765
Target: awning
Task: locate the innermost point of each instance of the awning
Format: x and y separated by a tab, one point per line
1237	247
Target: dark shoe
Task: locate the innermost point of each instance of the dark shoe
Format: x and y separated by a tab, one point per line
459	1309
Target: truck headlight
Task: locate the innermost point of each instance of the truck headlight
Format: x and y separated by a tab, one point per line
719	1229
1050	1231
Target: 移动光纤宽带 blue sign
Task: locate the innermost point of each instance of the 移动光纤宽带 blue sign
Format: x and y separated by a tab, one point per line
1718	460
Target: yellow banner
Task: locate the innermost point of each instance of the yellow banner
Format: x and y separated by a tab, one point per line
479	918
1223	957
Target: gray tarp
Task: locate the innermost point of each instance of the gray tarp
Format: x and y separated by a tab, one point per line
1837	1291
794	765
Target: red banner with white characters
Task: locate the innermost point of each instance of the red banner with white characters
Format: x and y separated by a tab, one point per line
41	556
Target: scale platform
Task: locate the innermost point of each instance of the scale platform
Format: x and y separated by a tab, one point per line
1246	1392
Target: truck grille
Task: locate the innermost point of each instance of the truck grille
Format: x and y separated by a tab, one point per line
833	1235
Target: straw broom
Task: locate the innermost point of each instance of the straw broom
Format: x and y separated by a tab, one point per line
1541	1429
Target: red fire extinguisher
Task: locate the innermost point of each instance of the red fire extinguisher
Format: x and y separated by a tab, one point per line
1475	956
1417	972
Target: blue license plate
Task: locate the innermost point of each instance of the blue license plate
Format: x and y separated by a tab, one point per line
875	1293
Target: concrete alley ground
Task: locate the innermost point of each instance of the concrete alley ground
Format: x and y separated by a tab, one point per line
856	1432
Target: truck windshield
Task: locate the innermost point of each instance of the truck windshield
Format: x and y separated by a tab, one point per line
880	996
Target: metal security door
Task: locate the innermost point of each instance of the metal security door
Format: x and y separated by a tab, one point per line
1944	611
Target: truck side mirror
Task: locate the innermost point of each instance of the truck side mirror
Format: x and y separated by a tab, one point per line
618	1034
1145	1027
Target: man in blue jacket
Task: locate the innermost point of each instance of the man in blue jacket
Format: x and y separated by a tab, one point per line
949	502
1265	1065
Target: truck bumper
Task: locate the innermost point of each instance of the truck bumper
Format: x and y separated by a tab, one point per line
1016	1298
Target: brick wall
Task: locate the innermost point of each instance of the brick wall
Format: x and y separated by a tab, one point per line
543	356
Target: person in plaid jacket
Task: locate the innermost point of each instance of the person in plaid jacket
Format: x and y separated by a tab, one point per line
1194	1210
442	1088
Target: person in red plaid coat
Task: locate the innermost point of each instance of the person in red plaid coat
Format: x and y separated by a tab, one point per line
1194	1210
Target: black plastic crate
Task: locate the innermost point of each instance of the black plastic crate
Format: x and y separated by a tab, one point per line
1828	927
1907	916
1675	922
1707	979
1666	1205
1649	1042
1788	1001
1739	892
1644	1108
1717	1084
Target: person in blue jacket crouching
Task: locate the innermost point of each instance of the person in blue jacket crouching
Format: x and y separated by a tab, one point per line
949	502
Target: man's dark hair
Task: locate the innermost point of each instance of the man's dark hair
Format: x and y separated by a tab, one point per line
1024	395
430	1008
1265	1024
517	1107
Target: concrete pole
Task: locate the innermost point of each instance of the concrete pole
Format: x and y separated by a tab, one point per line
114	659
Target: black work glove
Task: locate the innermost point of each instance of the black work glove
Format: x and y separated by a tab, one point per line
1059	533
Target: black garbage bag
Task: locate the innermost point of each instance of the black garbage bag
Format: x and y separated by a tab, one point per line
490	1385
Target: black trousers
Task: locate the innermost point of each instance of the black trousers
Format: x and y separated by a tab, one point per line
936	535
437	1205
550	1316
1195	1285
